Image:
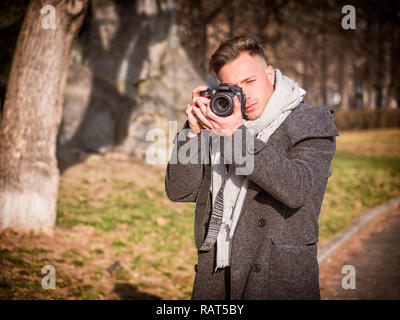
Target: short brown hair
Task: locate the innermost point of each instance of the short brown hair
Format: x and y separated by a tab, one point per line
230	49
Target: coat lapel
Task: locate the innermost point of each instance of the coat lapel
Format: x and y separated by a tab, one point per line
252	191
243	254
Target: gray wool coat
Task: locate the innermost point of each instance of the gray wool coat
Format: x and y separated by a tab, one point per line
274	247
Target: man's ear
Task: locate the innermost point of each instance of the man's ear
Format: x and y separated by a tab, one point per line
270	72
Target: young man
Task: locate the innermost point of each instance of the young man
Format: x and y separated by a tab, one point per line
256	234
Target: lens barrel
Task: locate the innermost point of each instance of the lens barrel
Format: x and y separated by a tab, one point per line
222	104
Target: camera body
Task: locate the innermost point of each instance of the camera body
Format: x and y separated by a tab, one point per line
221	100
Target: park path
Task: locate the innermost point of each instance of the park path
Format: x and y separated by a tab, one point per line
374	251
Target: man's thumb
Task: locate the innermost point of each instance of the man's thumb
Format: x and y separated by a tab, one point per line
236	102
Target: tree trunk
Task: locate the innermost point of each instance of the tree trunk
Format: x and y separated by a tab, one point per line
324	71
32	112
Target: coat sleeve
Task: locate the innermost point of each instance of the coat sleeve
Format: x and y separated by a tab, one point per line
293	178
185	170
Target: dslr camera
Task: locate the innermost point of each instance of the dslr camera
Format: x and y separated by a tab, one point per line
221	100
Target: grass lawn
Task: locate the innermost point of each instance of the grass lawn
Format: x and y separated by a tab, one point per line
365	174
114	212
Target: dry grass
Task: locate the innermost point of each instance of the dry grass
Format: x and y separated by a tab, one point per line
376	142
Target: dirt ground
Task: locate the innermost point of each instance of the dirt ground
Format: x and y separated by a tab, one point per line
375	254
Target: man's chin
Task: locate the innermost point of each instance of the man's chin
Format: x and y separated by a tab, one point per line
254	113
251	115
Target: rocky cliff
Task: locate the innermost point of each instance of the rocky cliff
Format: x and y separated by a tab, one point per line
129	74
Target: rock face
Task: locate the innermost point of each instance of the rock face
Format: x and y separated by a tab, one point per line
129	75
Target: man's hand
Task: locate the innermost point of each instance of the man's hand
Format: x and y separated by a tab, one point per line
197	120
200	116
223	126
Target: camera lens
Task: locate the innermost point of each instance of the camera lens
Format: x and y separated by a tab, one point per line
222	105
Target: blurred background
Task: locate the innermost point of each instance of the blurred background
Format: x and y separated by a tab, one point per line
131	68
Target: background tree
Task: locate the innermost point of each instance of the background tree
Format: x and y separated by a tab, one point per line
32	113
305	39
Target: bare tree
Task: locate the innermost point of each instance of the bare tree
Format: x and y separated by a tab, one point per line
32	112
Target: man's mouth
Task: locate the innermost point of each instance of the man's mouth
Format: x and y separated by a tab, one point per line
251	106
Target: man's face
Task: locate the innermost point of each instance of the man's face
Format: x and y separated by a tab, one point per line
256	79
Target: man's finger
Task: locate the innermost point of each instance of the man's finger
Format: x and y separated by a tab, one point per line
211	115
195	101
237	107
204	102
236	103
203	120
196	92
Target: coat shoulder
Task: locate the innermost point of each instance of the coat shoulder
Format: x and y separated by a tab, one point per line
306	122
